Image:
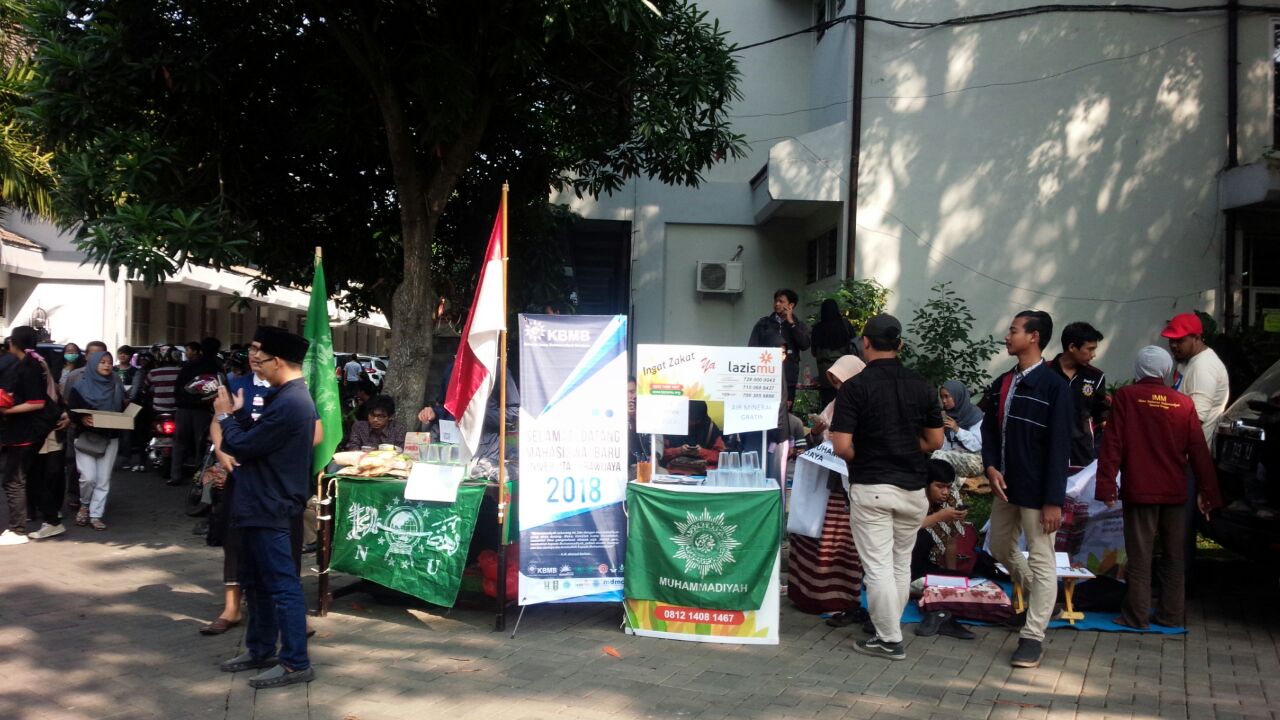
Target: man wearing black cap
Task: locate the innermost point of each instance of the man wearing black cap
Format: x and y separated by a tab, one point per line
887	420
272	486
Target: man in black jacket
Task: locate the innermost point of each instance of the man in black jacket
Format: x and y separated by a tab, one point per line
783	331
1026	442
191	431
1088	388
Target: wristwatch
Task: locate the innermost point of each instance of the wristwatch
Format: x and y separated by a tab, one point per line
223	416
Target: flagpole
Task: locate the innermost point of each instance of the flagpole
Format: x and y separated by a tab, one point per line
500	622
324	517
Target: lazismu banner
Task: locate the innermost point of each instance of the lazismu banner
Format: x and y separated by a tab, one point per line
573	458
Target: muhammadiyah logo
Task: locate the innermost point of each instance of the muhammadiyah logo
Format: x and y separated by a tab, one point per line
706	543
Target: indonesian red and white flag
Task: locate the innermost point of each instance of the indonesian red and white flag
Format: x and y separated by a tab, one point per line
475	371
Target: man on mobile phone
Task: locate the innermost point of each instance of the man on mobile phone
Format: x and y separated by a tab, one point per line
782	330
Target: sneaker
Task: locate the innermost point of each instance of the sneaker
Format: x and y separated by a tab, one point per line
951	628
246	661
9	537
279	676
47	531
929	625
1265	513
848	617
879	648
1028	654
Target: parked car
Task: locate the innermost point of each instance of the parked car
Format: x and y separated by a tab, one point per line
372	367
1247	448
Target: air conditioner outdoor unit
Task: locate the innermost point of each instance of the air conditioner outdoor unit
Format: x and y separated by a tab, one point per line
719	277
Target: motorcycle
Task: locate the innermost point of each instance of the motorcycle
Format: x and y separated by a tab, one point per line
160	449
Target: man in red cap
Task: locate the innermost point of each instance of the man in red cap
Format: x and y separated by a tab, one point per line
1200	374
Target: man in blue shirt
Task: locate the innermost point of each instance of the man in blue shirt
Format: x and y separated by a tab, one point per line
272	486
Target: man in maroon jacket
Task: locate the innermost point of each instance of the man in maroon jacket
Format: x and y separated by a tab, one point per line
1153	433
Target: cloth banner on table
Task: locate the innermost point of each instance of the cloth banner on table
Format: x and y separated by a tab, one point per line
704	550
573	457
418	548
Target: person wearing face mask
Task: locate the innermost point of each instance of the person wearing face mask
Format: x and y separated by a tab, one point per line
72	359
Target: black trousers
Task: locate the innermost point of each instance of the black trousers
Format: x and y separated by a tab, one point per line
15	468
46	488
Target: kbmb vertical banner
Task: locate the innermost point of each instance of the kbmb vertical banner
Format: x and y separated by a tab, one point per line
573	457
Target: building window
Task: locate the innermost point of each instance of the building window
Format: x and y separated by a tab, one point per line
821	257
140	321
237	327
176	322
209	324
302	324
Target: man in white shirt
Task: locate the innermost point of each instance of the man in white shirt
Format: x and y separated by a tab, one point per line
1200	373
351	373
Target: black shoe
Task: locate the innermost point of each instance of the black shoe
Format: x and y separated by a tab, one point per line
200	528
246	661
308	548
928	626
848	617
951	628
868	627
278	676
1028	654
879	648
175	483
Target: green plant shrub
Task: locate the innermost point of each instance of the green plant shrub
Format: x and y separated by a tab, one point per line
859	301
939	342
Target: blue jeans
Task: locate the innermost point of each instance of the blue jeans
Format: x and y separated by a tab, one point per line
277	609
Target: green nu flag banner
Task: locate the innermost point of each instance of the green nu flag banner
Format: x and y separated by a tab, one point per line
711	550
419	548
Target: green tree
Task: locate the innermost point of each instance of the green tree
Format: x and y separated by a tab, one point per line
25	174
244	131
940	345
859	301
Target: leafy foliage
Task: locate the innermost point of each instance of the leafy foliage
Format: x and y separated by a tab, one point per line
26	177
859	301
939	342
247	132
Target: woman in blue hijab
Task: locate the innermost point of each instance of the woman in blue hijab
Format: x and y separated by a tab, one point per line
962	423
97	388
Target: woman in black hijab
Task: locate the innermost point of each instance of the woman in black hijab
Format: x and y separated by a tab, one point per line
832	338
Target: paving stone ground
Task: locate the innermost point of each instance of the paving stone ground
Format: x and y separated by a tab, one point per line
103	625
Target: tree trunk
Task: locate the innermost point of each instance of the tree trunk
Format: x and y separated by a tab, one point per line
423	195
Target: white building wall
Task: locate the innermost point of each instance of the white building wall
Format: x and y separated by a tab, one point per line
1064	162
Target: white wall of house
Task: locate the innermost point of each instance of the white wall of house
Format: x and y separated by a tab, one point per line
1063	162
1066	162
84	304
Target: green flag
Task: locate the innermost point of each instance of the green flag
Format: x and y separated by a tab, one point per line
702	550
419	548
320	371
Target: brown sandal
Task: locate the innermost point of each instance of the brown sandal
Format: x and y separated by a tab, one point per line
97	524
82	516
218	626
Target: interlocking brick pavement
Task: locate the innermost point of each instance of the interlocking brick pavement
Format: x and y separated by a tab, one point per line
103	625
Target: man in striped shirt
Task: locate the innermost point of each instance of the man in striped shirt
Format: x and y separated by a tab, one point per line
160	383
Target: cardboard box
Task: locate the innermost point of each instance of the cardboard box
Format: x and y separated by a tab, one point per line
104	420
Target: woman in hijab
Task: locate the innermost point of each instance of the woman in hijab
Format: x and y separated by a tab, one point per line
97	388
825	573
832	339
962	423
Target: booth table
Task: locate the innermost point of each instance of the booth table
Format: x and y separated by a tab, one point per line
703	563
418	548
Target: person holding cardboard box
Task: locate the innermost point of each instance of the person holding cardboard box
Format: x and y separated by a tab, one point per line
97	388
